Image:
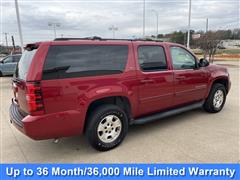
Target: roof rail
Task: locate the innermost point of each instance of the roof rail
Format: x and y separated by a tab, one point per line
86	38
106	39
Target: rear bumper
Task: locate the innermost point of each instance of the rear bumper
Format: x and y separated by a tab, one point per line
16	117
48	126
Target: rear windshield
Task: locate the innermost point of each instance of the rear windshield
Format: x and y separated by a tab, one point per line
24	63
84	60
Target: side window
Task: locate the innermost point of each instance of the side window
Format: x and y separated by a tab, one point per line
182	59
8	60
152	58
16	58
84	60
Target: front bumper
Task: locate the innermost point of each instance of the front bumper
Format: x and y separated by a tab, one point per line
47	126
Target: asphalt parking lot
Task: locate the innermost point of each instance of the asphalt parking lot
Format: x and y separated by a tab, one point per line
191	137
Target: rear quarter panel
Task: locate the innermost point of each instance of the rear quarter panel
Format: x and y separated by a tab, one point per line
71	97
35	69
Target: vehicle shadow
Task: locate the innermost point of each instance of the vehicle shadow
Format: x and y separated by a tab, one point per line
72	149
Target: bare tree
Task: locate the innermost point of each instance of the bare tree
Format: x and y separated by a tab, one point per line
209	43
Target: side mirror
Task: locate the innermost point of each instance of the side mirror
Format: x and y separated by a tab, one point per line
203	63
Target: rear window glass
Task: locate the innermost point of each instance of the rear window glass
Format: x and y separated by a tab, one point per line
24	63
152	58
84	60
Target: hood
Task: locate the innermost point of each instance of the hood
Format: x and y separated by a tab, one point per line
214	67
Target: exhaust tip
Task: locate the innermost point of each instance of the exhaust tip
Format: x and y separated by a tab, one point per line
56	141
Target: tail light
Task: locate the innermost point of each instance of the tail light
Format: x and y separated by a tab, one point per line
34	98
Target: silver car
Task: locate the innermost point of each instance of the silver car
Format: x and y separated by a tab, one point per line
8	64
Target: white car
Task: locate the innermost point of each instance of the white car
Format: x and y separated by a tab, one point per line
8	64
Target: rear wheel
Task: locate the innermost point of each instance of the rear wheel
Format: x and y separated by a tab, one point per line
216	98
107	127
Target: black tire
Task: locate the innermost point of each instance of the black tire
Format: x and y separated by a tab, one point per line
209	103
1	74
98	116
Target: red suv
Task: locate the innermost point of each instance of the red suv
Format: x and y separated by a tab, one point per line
99	87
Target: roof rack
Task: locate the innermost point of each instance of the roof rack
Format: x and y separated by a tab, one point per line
106	39
86	38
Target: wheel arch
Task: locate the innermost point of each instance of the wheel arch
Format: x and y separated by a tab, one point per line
221	80
121	101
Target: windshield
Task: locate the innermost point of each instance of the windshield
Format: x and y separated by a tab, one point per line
7	59
24	63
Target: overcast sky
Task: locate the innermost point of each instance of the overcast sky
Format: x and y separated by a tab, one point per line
79	18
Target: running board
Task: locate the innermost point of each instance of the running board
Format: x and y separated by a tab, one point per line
168	113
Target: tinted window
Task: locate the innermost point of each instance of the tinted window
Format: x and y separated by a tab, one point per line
84	60
152	58
16	58
182	59
24	63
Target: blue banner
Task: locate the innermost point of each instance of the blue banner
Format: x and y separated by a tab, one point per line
119	171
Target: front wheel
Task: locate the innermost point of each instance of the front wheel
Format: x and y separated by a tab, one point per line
216	98
107	126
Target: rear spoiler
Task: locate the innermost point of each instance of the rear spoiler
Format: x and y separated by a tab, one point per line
30	47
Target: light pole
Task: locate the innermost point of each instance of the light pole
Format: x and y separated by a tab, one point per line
143	18
19	25
54	25
156	13
113	29
184	37
206	25
189	23
13	43
6	40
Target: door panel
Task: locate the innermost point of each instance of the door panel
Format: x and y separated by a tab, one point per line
10	67
190	81
5	67
155	91
156	85
190	85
